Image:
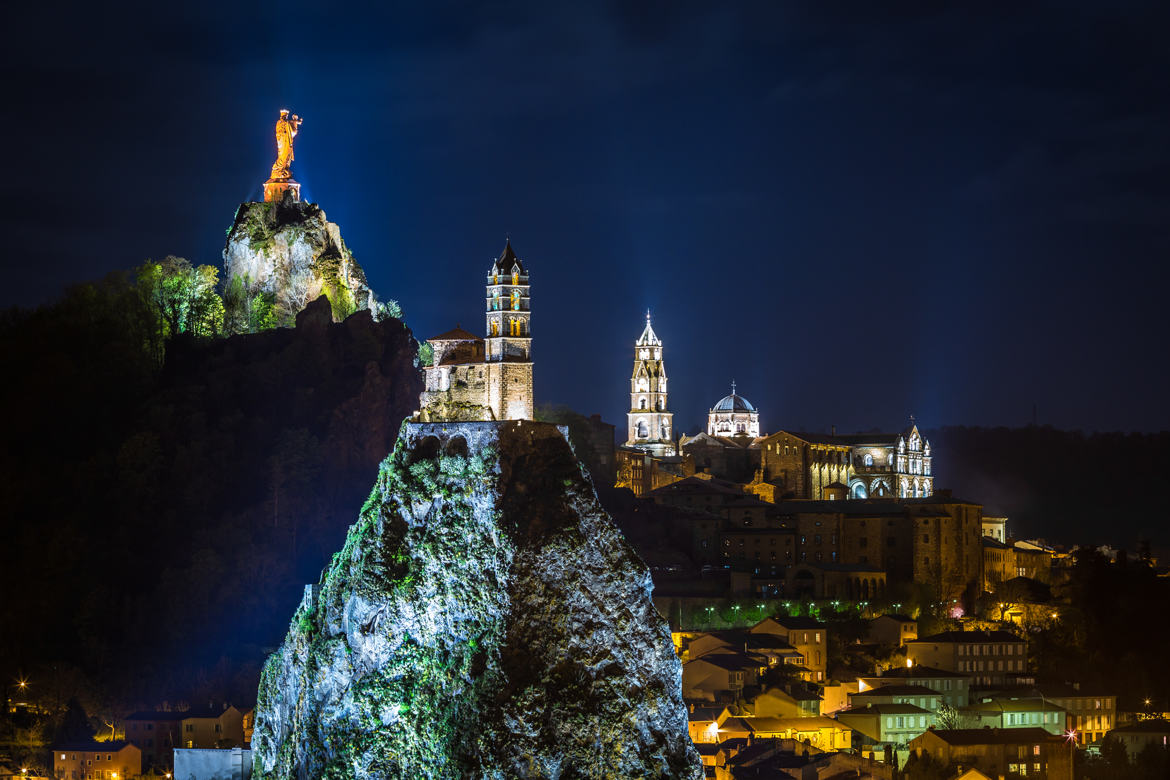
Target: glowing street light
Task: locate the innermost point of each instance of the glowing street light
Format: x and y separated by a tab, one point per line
1071	735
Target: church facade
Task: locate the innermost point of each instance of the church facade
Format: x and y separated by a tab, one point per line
472	378
812	466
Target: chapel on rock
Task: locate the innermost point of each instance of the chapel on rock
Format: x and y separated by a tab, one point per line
472	378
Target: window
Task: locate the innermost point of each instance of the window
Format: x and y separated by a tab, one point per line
868	459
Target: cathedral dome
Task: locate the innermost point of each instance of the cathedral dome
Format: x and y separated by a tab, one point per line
733	403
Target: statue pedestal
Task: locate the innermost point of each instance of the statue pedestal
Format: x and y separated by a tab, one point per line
274	190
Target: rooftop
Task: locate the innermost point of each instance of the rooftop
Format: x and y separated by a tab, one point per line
456	334
967	637
507	260
914	672
92	746
896	690
988	736
733	403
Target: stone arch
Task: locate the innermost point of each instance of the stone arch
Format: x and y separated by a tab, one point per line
805	581
857	489
456	446
426	448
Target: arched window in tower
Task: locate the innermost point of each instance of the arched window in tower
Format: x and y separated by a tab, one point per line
515	276
641	403
643	430
496	278
496	299
904	489
664	431
661	405
495	327
515	300
868	459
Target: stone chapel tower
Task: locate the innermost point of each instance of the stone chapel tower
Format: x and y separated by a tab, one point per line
509	339
651	427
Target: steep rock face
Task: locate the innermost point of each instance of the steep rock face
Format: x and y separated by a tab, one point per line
290	249
485	619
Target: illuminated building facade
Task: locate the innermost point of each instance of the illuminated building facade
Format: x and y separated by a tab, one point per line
472	378
650	425
869	466
733	415
509	338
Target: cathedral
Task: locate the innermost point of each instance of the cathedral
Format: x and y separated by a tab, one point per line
472	378
733	415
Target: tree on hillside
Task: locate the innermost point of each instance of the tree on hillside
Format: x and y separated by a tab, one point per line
74	726
184	297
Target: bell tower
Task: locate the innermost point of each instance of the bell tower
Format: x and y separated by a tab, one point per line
651	426
508	339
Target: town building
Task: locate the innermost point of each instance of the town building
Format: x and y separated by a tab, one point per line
215	728
1137	736
794	700
988	657
156	734
720	676
1009	712
918	695
1091	715
92	760
809	637
995	528
212	764
998	752
953	688
887	723
831	549
893	629
822	733
650	427
490	378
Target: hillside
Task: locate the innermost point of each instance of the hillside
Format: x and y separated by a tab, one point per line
160	522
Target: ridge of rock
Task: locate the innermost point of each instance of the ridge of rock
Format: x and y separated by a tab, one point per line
485	619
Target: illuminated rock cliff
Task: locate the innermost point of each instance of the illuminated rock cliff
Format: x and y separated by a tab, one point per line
485	619
289	250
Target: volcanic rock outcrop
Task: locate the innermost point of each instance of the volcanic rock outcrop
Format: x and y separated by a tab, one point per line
290	250
485	619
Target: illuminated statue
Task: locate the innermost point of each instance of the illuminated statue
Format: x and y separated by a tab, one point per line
286	130
282	181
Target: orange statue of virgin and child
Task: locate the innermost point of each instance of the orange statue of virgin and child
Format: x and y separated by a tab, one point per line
286	130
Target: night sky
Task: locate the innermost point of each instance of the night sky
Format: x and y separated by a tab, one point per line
857	211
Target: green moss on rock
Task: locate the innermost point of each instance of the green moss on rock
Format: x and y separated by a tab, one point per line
469	627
